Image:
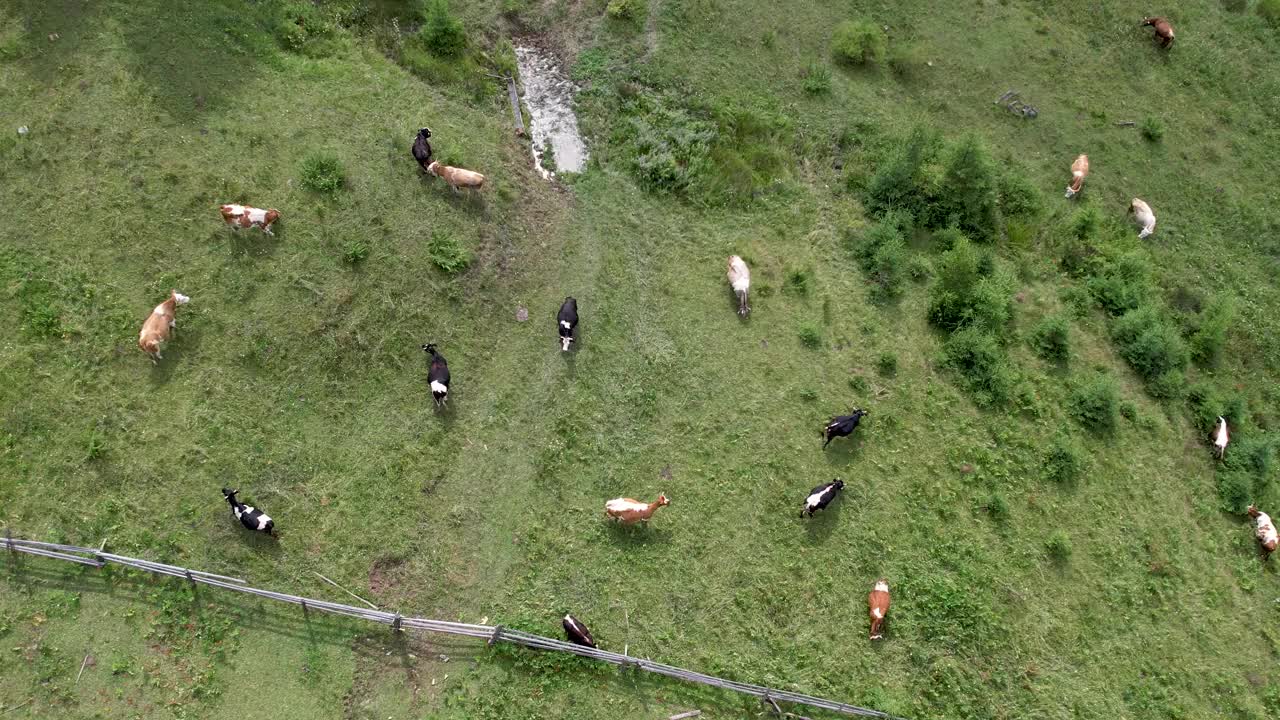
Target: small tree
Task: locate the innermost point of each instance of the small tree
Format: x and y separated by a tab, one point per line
441	32
969	198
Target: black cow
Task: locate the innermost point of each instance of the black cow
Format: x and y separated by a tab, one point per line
437	375
577	633
566	321
249	516
422	148
821	496
842	426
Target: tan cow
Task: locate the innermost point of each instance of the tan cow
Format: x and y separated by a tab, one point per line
456	177
1079	171
159	325
630	512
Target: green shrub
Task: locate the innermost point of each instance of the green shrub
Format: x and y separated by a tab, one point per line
1095	403
1253	453
799	281
1019	197
859	384
970	201
355	251
1209	330
1235	489
810	336
1124	284
887	364
447	253
882	253
1065	461
908	61
1059	547
1051	338
669	147
997	507
1077	300
901	183
304	28
442	34
1206	404
918	268
816	79
625	9
322	172
968	292
858	42
979	361
1152	128
1270	11
1150	343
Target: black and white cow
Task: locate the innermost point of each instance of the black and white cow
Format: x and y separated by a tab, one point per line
566	321
437	375
842	426
249	516
422	148
821	496
577	633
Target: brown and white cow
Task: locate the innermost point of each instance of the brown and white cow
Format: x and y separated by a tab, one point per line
1079	171
878	605
1144	216
1164	31
456	177
1265	530
159	325
243	216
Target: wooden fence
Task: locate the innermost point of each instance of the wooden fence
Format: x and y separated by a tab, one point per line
399	623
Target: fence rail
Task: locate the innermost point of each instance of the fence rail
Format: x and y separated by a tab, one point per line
490	633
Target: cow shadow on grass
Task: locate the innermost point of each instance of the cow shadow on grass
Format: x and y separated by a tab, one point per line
637	535
843	452
252	243
819	527
182	342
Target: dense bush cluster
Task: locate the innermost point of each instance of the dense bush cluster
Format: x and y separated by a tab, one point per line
1051	338
1065	461
442	34
882	253
322	172
859	43
1095	402
969	292
980	362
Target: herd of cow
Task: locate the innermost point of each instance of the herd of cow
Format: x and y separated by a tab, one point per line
160	325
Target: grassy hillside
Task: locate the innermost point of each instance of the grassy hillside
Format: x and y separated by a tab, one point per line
1058	538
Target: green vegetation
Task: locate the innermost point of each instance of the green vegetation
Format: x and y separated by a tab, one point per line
1152	128
859	43
322	173
1005	498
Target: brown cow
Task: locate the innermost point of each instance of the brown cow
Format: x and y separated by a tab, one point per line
1164	31
159	325
456	177
878	602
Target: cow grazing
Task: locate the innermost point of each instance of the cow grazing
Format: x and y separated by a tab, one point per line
456	177
878	605
1079	171
842	426
566	321
437	375
1144	217
821	496
1220	438
249	516
1266	530
740	281
159	325
1164	31
630	512
422	148
576	632
243	216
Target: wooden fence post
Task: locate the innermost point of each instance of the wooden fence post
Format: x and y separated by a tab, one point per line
395	624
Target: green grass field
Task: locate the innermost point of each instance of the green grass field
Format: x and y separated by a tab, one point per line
1115	577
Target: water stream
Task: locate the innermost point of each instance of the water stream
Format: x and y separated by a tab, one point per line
548	95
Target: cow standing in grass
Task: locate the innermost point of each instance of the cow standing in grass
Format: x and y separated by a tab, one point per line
249	516
842	426
1079	171
437	375
740	281
1164	31
878	607
821	496
576	632
422	149
566	321
1265	530
159	325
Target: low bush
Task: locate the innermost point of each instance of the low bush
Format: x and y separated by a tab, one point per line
1152	128
882	253
669	147
1253	453
1270	11
1208	331
442	34
970	201
1123	284
816	79
1051	338
968	291
979	361
625	9
1019	197
1206	404
1095	403
1150	344
908	61
1065	461
810	336
887	364
859	42
1235	489
447	253
322	172
918	268
799	281
1059	547
997	507
355	251
902	181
